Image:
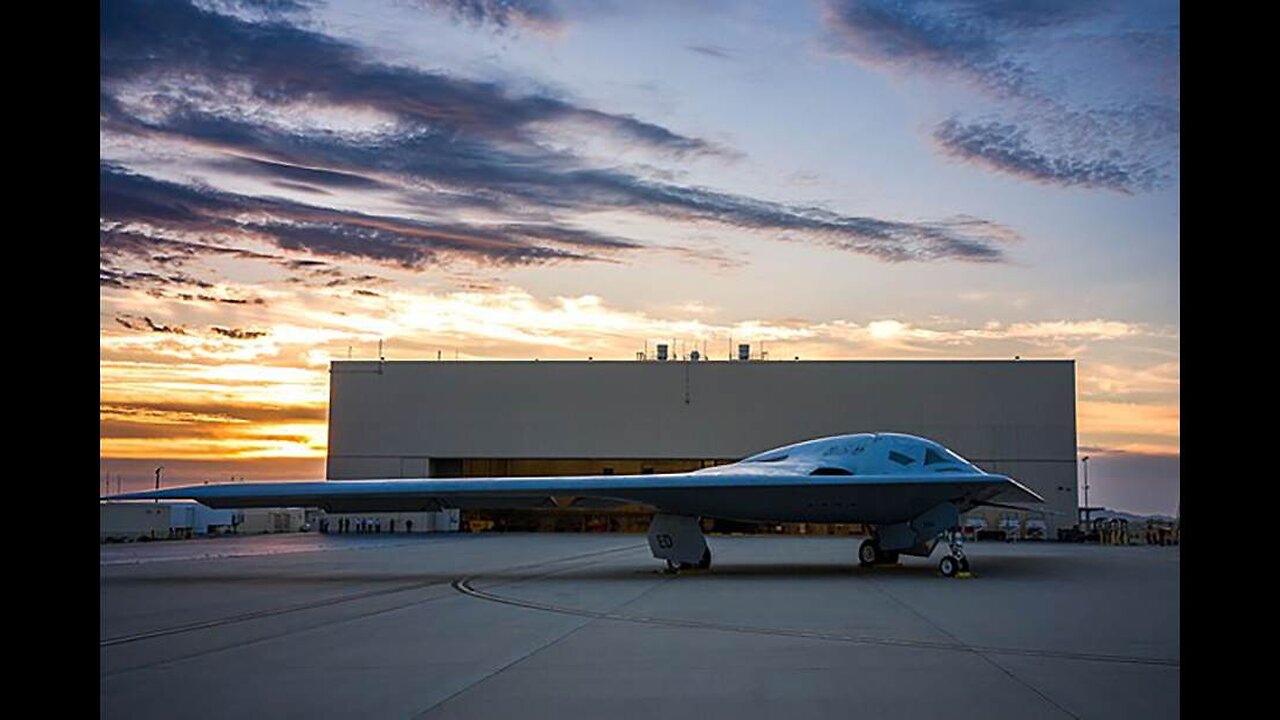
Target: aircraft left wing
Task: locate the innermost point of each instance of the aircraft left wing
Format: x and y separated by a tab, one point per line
411	495
726	491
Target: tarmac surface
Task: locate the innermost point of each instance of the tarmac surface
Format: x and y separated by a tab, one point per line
585	626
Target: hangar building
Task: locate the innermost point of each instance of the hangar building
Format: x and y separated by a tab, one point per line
511	418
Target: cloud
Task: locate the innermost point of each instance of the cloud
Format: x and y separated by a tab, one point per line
162	40
1080	94
713	51
146	323
252	92
112	277
971	38
1134	426
202	297
238	333
211	412
1123	383
1006	147
265	8
538	15
135	211
302	177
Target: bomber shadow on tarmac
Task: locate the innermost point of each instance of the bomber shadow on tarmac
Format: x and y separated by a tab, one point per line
1023	567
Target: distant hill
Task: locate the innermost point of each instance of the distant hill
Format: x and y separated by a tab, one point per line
1107	514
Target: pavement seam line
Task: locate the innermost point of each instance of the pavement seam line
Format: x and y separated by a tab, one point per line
1009	673
661	581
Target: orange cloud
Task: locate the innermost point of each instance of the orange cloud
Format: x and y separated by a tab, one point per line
206	396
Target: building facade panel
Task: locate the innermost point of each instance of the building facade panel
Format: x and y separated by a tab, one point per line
401	419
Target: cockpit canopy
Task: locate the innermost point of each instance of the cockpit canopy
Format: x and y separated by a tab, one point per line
868	454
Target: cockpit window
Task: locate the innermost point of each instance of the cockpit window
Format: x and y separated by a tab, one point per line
831	471
899	458
932	457
772	458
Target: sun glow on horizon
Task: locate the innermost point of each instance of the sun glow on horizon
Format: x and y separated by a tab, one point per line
269	400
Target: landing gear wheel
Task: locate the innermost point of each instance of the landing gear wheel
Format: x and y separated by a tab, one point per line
705	562
673	566
869	553
964	564
948	566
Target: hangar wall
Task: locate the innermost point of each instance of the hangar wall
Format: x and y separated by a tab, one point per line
404	418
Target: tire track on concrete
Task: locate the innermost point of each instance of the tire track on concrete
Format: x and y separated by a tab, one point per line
259	614
464	586
554	641
194	627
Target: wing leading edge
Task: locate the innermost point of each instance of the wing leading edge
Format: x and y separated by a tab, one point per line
753	494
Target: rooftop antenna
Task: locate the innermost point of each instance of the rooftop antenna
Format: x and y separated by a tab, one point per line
158	481
380	355
348	352
438	355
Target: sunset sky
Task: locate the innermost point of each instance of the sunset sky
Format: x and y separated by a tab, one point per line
284	183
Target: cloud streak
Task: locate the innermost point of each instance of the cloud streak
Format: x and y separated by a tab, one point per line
537	15
975	39
1008	148
239	333
147	324
136	211
438	145
1116	132
158	41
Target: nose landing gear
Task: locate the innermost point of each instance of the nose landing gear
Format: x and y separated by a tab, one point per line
954	562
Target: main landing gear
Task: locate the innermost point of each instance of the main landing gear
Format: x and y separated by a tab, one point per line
678	540
919	537
869	553
954	562
703	564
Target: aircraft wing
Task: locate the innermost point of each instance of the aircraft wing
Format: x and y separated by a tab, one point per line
736	492
409	495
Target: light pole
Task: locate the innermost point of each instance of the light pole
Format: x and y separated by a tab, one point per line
1086	489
